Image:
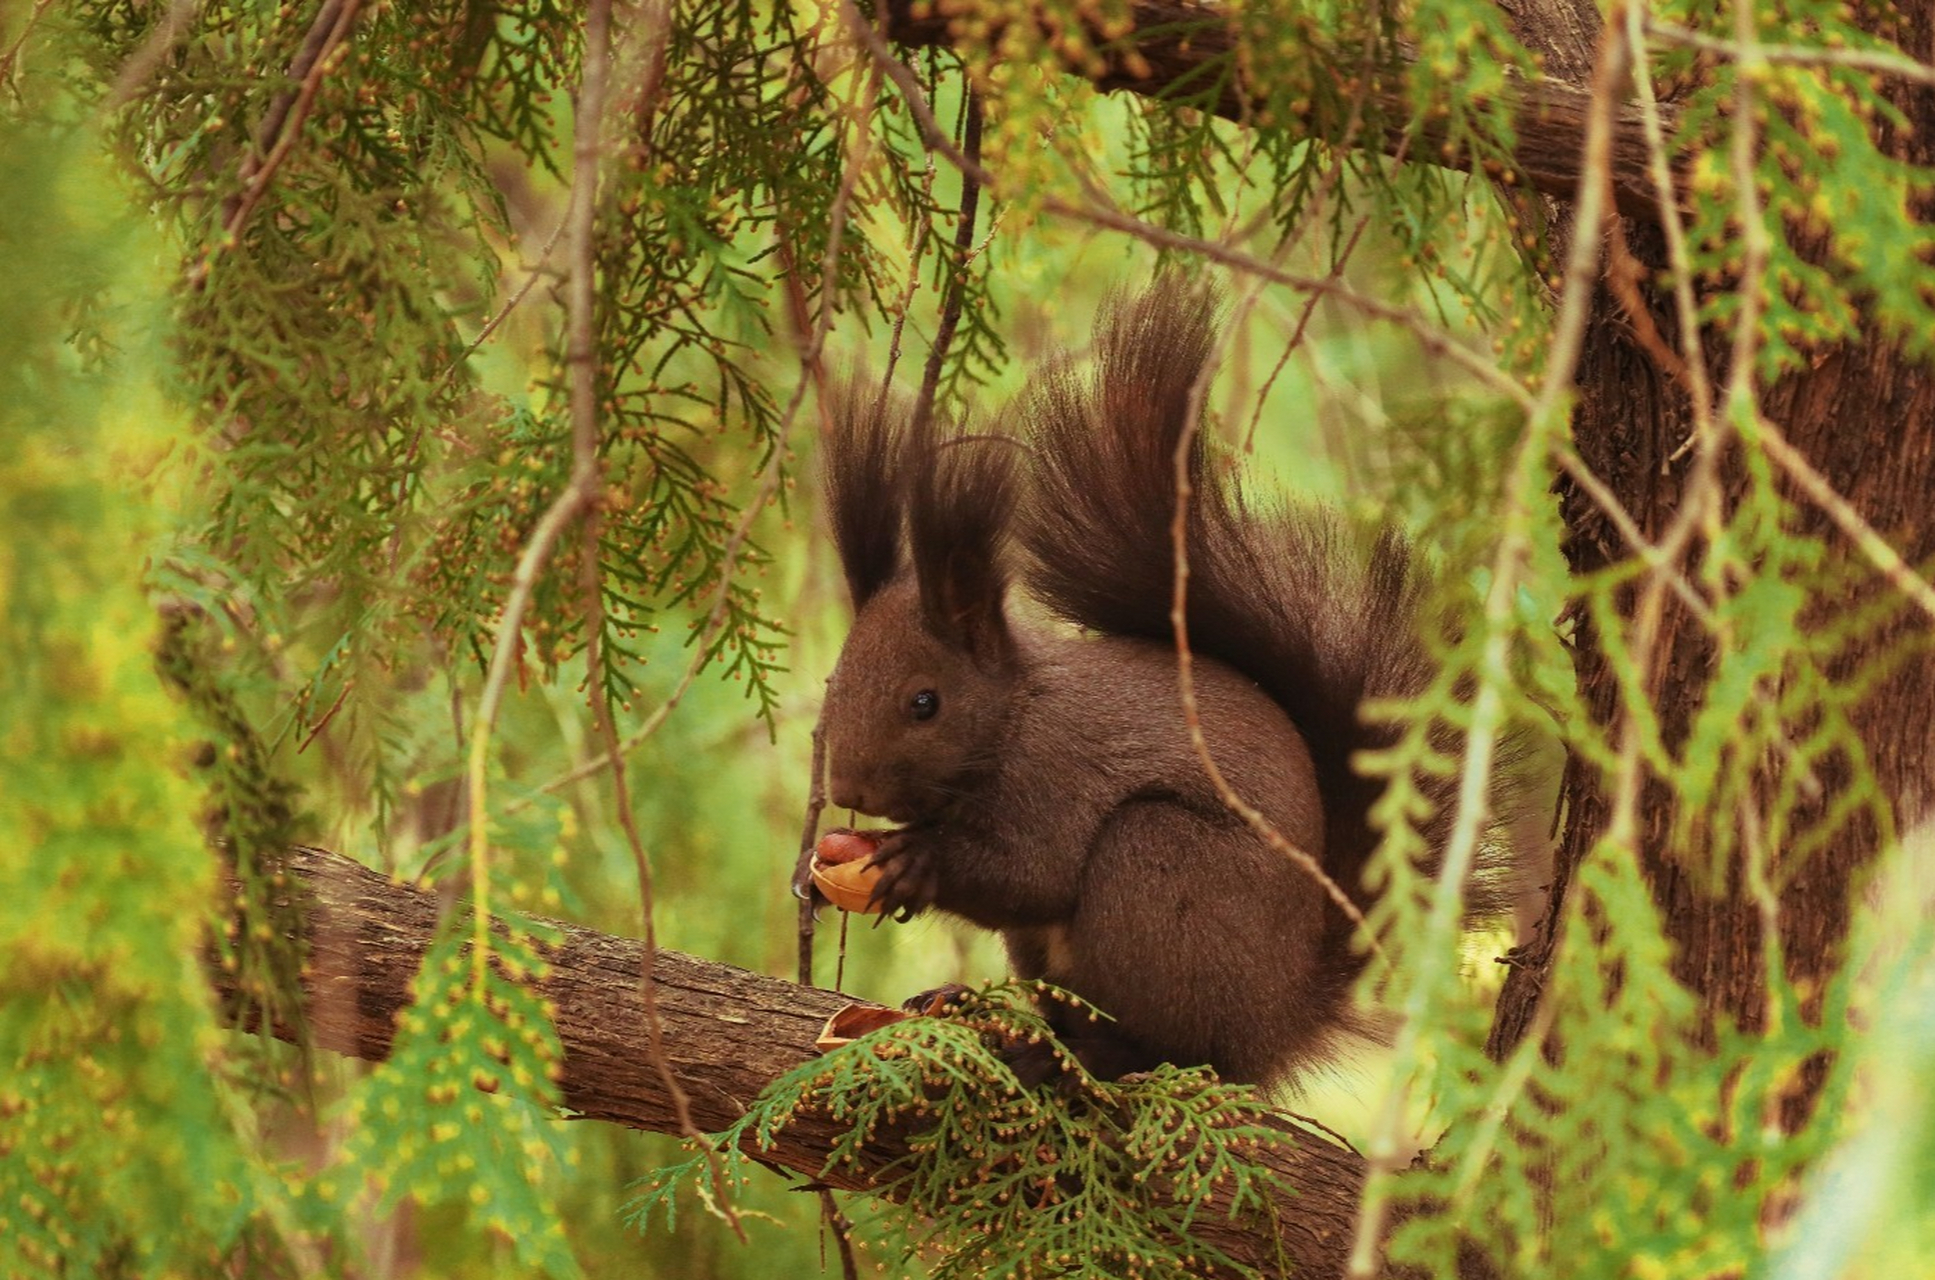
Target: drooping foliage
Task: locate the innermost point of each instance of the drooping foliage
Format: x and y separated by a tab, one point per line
1088	1179
284	391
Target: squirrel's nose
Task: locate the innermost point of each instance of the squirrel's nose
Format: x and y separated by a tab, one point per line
845	793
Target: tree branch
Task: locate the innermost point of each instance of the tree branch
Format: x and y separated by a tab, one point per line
728	1032
1173	42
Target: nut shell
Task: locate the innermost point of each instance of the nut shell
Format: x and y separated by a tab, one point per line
854	1021
841	871
847	885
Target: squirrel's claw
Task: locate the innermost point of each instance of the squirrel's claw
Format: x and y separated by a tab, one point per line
910	879
938	1002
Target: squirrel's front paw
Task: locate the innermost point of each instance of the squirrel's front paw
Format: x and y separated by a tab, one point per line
938	1002
910	876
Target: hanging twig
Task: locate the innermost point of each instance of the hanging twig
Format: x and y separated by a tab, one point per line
802	885
581	370
276	136
957	275
1546	414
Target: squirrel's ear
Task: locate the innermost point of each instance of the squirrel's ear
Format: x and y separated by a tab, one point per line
863	477
963	501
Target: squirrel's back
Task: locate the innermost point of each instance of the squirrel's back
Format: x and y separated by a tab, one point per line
1319	614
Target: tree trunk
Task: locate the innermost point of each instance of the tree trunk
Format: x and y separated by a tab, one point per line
1864	417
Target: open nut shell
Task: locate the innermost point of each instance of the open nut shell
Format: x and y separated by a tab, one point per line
854	1021
847	885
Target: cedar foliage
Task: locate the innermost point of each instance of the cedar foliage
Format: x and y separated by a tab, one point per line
284	364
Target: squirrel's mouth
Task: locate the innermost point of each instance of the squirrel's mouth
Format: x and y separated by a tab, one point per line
880	821
877	826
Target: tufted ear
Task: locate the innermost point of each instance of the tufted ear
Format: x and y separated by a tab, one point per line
962	502
865	482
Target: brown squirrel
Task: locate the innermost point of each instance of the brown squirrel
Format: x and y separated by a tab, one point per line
1042	776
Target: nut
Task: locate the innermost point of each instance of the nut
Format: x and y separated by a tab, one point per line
840	869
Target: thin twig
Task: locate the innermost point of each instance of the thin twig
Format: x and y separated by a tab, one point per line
883	62
1743	408
533	275
1297	331
905	305
1435	341
1333	178
812	371
932	135
1517	1073
282	126
1256	820
12	55
581	368
136	71
836	1222
1700	504
1253	817
1635	537
578	499
410	474
322	723
1746	49
1766	899
1755	243
1900	574
809	829
1547	415
1624	273
956	290
530	563
579	491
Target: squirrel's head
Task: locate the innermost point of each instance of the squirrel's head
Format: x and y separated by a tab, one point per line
925	686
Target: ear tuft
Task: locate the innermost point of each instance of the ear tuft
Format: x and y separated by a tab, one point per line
864	479
963	500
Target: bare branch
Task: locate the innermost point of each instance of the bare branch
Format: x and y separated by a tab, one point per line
728	1033
1746	49
1185	37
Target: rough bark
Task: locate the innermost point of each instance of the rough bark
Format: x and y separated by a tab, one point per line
1174	42
1864	416
728	1032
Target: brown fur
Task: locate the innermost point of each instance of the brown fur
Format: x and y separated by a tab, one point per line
865	493
1322	616
1044	781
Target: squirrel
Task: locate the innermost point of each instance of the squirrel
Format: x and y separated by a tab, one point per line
1040	772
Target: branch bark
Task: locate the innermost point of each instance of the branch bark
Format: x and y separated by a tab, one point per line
727	1033
1174	43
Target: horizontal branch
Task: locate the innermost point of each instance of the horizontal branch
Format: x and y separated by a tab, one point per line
1173	43
728	1032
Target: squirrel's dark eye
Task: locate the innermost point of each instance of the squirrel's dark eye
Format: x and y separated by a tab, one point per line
924	705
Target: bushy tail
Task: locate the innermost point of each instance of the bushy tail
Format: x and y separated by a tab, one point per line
1318	614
